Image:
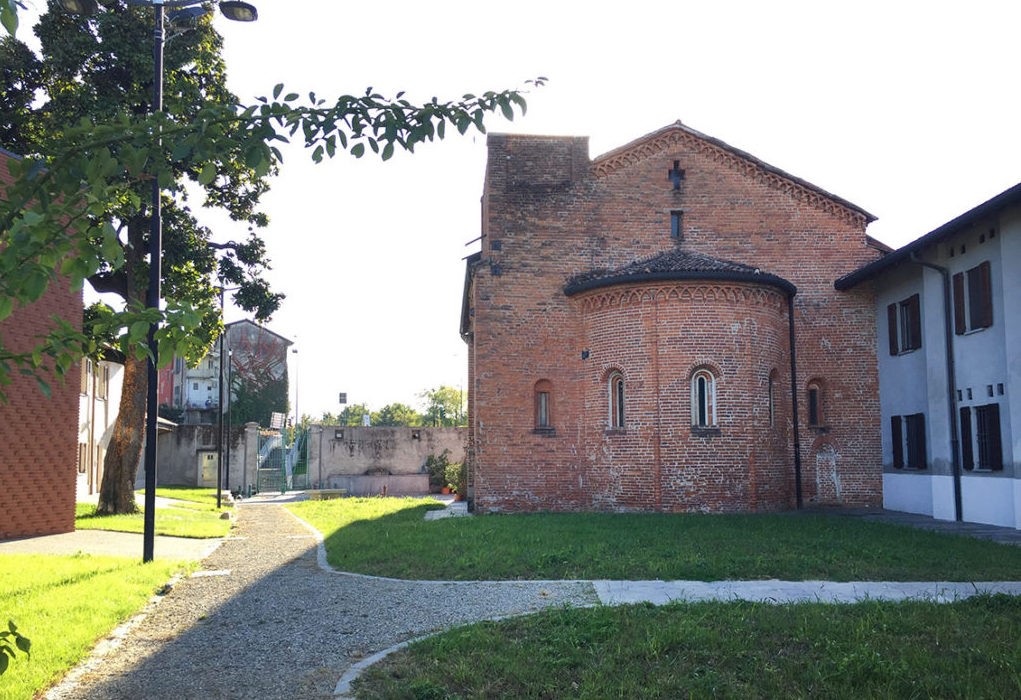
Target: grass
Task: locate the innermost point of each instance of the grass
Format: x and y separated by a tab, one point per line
968	649
205	496
194	514
64	604
388	537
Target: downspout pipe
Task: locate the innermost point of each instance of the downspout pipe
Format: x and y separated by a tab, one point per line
794	403
955	443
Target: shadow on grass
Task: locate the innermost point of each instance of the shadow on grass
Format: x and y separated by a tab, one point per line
279	626
563	546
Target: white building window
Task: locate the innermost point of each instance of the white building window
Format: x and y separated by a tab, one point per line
904	325
973	299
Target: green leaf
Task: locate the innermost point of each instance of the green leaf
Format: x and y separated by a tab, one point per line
5	660
277	89
138	331
291	97
43	387
208	173
358	150
9	18
388	151
24	644
6	307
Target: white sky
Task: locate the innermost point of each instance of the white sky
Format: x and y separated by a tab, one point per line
907	109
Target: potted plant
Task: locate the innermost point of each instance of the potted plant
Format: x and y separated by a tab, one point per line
436	467
457	480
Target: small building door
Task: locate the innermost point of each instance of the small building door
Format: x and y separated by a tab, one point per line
207	468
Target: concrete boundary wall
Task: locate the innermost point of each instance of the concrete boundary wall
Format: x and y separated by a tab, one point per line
374	460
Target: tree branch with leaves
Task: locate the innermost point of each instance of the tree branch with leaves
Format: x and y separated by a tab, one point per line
78	209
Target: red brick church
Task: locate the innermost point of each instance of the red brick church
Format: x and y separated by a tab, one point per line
657	329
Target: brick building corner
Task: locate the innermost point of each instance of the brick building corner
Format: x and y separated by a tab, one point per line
38	435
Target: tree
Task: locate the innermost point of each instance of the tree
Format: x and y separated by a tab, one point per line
354	414
444	406
78	204
120	80
396	414
256	401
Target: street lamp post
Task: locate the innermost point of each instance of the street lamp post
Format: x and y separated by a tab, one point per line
226	466
219	382
297	413
239	12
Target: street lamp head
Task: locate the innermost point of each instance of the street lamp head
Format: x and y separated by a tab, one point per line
237	11
79	7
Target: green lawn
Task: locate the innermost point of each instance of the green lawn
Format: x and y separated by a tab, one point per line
205	496
63	604
970	649
388	537
195	515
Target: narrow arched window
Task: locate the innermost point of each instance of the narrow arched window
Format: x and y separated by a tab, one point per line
703	399
616	395
543	404
816	415
771	396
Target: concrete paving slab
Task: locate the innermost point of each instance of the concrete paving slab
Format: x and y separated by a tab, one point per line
120	544
775	591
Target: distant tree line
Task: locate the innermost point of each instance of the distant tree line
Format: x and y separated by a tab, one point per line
442	406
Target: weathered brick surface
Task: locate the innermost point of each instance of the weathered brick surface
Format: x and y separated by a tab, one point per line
38	435
550	213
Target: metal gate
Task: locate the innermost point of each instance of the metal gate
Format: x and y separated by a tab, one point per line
271	474
282	468
298	462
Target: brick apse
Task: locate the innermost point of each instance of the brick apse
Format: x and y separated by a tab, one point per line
630	332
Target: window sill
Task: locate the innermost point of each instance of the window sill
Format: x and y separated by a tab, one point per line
615	431
973	331
703	431
909	351
820	429
545	432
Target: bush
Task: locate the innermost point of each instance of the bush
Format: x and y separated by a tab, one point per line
436	466
457	477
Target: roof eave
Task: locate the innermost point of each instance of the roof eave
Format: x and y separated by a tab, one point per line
965	220
680	276
471	262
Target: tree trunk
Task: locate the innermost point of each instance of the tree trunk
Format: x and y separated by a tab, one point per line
120	467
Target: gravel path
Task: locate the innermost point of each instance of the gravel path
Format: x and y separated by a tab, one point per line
263	620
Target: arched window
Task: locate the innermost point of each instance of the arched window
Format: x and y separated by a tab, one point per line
615	387
816	416
703	399
543	404
771	389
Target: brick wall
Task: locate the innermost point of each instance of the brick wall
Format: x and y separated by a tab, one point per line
550	213
38	435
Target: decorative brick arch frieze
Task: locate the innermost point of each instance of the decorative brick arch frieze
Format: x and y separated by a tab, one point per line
703	363
604	167
685	292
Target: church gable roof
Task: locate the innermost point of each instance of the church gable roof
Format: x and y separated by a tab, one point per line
722	152
676	264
